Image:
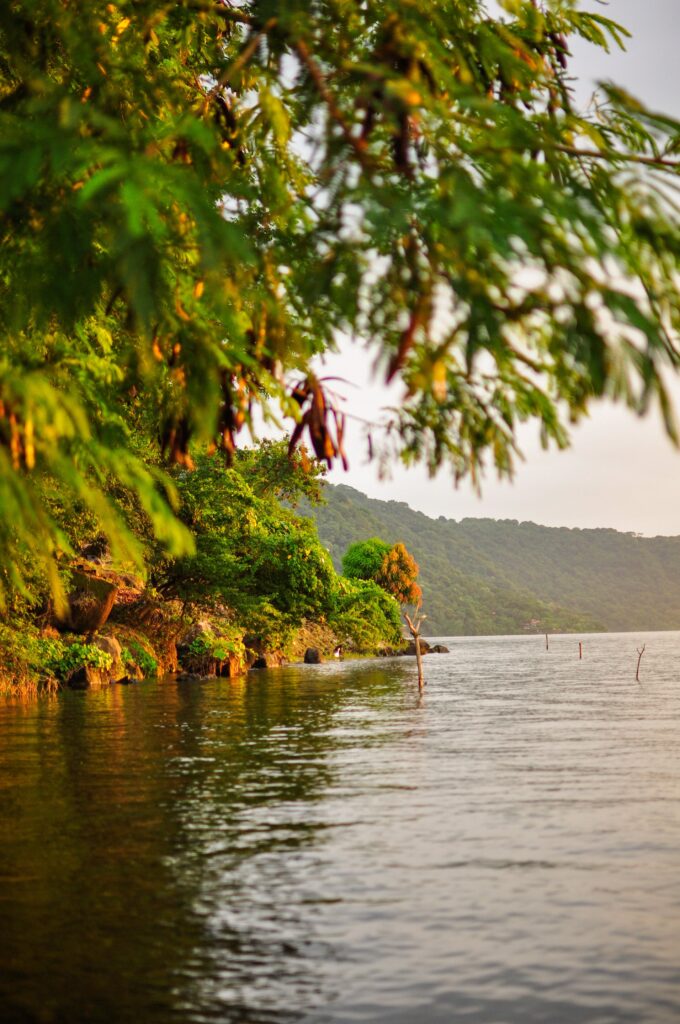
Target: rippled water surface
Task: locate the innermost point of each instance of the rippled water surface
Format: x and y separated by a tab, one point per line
319	844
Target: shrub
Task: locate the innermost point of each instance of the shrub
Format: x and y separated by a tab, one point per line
365	617
137	655
62	659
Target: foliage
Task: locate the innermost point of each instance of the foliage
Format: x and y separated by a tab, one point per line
273	472
252	553
22	655
390	566
267	628
397	575
365	617
364	559
135	654
196	198
217	647
208	650
63	659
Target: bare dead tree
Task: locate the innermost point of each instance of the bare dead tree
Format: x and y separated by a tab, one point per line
640	653
414	624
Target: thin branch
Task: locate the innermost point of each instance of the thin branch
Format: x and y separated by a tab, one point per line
315	73
229	13
247	52
613	154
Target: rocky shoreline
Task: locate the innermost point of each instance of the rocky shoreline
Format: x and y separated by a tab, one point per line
115	631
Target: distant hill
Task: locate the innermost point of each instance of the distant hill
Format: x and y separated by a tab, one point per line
483	576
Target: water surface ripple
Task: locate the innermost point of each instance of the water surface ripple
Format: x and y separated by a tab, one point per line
322	845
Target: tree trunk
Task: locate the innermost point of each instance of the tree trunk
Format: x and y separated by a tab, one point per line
419	660
640	653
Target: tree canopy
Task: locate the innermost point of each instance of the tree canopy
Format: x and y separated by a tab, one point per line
398	573
363	560
390	566
252	555
197	199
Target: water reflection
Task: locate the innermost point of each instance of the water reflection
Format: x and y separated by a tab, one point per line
323	844
148	840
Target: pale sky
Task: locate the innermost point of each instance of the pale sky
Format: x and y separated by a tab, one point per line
621	471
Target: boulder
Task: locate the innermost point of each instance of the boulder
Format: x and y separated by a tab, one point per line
110	645
410	650
268	659
439	649
313	656
86	677
206	664
198	629
189	677
89	602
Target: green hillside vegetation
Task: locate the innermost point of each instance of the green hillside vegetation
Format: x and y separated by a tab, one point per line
482	576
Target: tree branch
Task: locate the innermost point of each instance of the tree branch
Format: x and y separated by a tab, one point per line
232	15
247	52
358	144
613	154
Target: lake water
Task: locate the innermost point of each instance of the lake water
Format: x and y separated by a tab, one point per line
320	844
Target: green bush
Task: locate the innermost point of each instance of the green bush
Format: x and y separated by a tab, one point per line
62	659
365	616
208	649
137	655
364	559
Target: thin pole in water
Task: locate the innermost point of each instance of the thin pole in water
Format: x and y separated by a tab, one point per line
414	624
547	646
580	649
640	653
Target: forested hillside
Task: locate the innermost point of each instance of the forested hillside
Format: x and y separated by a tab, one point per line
486	576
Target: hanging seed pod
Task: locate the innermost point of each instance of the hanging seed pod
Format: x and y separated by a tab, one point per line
315	420
405	344
175	438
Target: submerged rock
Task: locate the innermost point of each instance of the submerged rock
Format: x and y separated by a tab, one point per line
410	651
268	659
439	649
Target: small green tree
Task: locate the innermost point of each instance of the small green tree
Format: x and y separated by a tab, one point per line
392	567
363	560
289	476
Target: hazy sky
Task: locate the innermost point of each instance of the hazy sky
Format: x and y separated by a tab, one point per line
620	471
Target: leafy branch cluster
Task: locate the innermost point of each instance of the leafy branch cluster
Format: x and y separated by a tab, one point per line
198	198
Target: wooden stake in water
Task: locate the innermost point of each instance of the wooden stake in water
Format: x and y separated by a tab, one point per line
414	629
547	647
640	653
580	649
